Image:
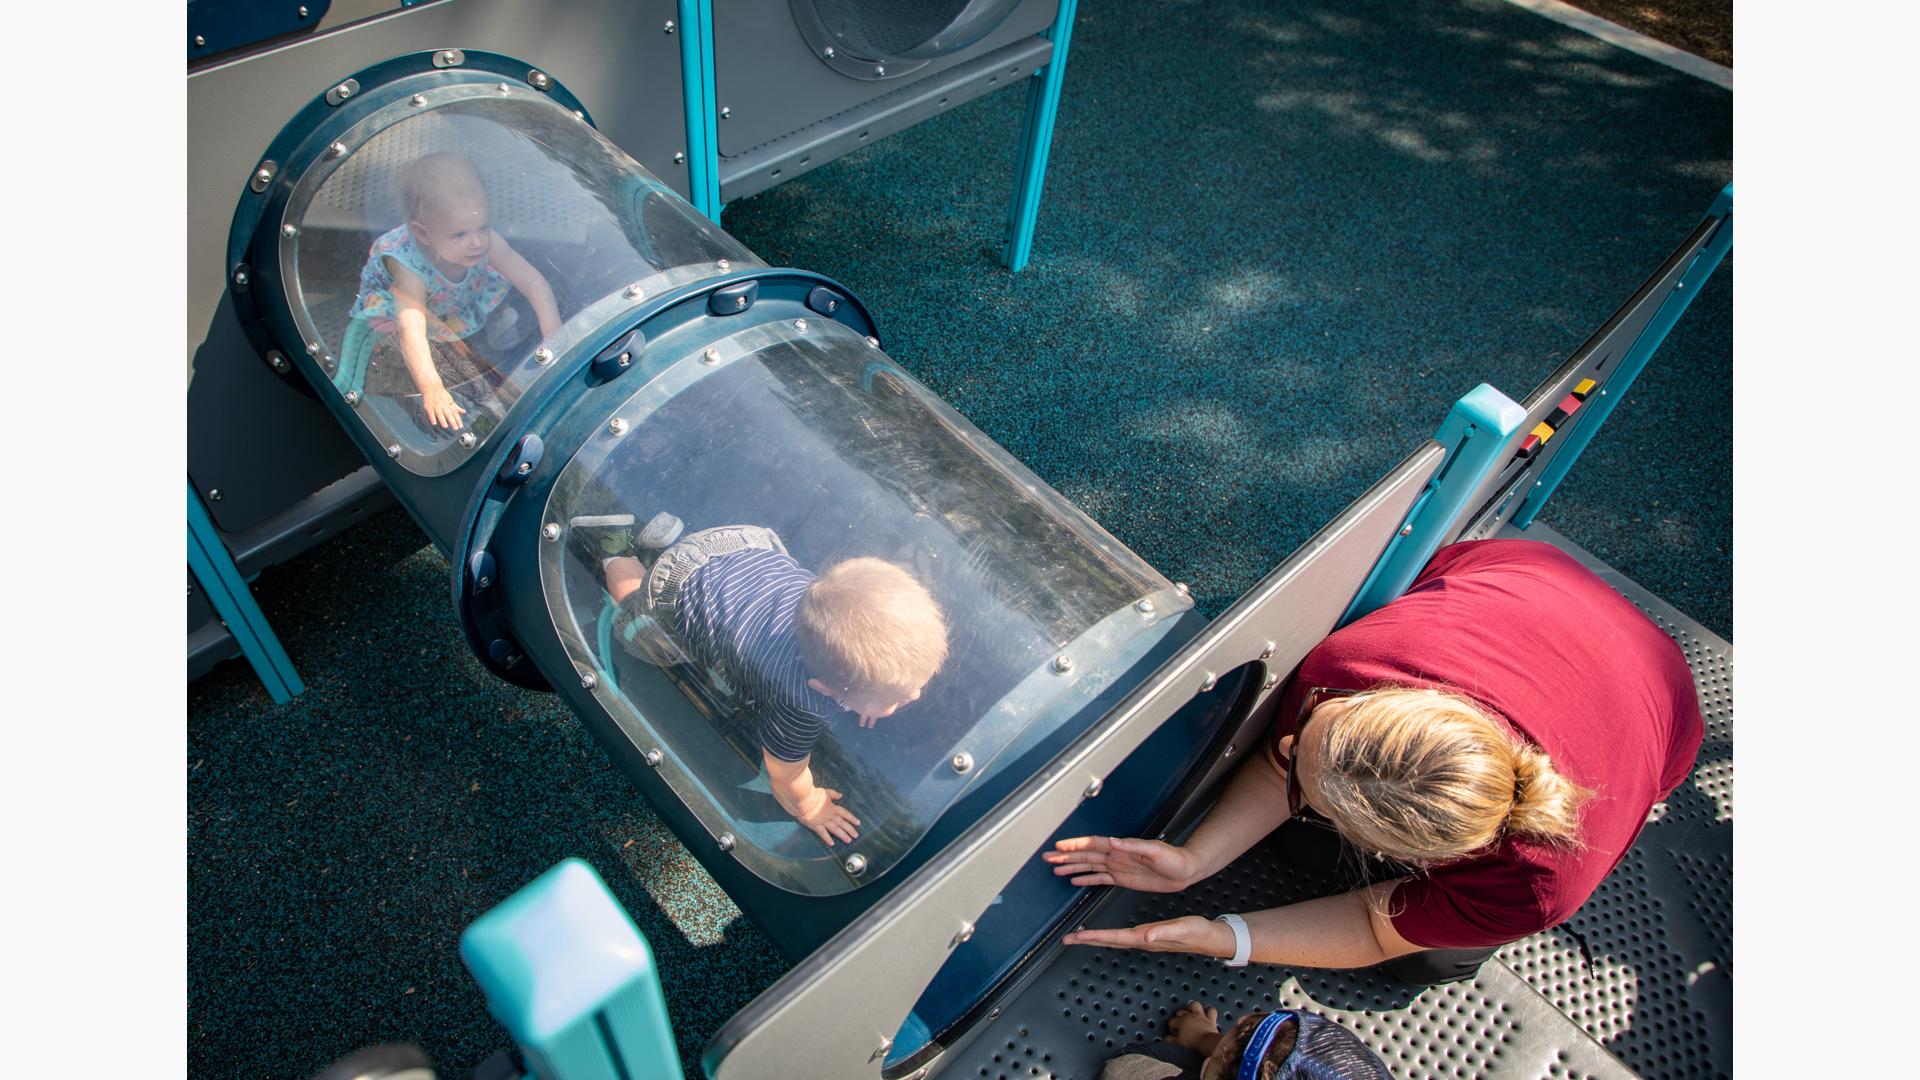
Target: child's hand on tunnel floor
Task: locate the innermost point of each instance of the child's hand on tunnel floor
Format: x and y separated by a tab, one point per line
821	812
1191	1025
441	409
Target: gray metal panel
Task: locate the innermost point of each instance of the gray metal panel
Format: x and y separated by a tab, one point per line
1597	358
321	514
1657	1002
816	144
847	999
767	75
254	436
613	54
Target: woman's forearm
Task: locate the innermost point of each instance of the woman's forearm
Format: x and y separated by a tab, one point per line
1330	932
1254	804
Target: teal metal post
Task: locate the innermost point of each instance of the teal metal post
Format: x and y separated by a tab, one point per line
573	981
1036	139
1598	407
1475	433
703	130
211	565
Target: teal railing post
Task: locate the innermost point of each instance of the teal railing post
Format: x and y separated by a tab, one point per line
703	123
211	565
1036	138
573	981
1598	407
1476	433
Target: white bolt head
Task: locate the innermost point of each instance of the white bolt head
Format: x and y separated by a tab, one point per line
505	88
962	761
523	468
467	440
1062	664
289	231
393	450
634	292
551	530
417	100
828	53
654	757
1144	606
723	265
588	681
800	325
1208	680
618	427
543	355
873	342
336	149
856	864
711	356
353	397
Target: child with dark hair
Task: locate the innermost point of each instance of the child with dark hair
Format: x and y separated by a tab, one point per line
1282	1045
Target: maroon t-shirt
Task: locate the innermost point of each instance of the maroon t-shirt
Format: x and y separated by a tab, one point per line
1543	644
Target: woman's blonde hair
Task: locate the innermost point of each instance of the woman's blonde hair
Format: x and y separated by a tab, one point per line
1421	777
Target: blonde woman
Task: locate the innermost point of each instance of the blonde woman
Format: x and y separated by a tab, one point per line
1486	748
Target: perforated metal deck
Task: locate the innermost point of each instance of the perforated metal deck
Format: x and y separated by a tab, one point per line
1658	1001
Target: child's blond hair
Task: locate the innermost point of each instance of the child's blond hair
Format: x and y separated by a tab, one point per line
866	624
1421	777
430	183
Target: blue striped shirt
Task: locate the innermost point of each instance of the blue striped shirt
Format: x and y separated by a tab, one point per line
736	614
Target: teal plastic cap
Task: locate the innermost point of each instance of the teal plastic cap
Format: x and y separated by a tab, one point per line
556	951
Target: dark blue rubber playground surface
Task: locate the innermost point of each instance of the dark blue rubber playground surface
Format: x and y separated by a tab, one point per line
1277	241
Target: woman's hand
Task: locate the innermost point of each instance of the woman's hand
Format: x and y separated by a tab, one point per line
1186	934
1140	865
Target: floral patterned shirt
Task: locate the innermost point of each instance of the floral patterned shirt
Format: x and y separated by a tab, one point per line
461	306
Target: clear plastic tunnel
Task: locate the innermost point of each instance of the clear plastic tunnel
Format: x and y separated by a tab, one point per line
448	248
805	431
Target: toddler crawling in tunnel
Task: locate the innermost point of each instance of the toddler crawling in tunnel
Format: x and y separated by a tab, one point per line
433	291
863	635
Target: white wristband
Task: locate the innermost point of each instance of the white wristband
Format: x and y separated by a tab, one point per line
1242	940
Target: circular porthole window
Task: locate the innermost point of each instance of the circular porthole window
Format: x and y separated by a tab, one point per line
885	39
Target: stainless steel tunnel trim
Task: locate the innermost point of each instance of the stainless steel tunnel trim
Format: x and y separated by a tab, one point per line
835	1000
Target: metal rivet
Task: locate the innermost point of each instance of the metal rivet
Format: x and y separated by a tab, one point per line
726	841
618	427
711	356
827	52
467	440
634	291
800	325
588	681
448	58
879	69
342	92
1144	606
669	27
1208	680
543	355
1267	650
302	12
722	265
313	348
626	359
393	450
580	116
962	762
873	342
199	41
539	80
1273	680
551	530
1181	588
505	88
277	361
964	935
856	865
740	303
832	306
1229	752
523	468
1093	789
417	100
353	397
240	275
994	1013
289	231
1062	664
654	757
725	113
1406	530
336	149
881	1050
484	582
263	175
679	158
213	495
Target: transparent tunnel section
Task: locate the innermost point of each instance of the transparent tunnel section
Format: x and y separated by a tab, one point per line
451	248
764	537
